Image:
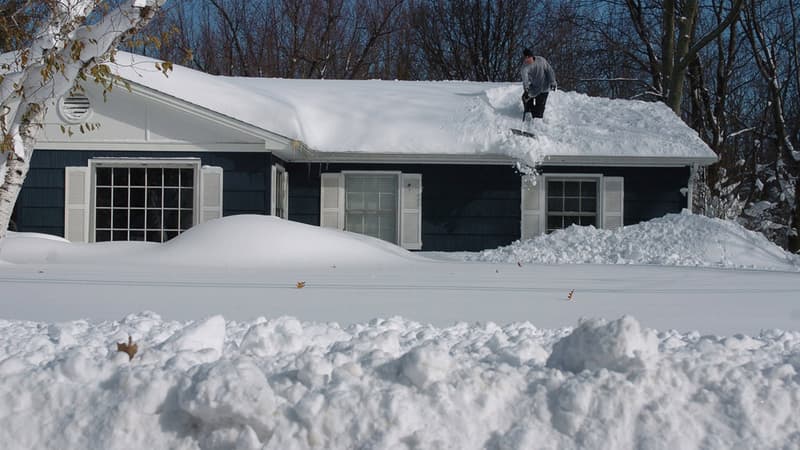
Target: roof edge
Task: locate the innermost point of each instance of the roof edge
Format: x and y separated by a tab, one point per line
272	140
496	159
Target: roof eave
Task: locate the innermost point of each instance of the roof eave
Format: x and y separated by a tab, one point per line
272	141
496	159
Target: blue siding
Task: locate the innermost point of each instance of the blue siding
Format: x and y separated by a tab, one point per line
465	207
470	207
40	207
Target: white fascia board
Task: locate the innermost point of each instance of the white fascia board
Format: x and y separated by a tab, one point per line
577	160
151	146
271	140
628	161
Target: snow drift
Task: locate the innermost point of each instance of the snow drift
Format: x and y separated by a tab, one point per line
244	241
673	240
390	384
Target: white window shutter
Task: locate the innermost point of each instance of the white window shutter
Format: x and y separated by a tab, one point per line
613	202
331	210
285	198
210	193
272	187
411	211
533	207
77	204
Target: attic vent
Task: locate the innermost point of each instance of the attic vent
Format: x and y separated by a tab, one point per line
75	108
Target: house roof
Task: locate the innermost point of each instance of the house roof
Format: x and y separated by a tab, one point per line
348	119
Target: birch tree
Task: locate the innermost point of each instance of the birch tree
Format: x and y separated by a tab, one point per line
66	41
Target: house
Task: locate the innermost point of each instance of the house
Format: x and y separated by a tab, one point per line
426	165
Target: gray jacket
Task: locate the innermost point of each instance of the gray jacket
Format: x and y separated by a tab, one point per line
538	77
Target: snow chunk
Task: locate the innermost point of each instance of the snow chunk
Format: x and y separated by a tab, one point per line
207	336
425	365
621	346
228	392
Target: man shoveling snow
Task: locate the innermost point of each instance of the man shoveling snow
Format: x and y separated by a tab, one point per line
538	78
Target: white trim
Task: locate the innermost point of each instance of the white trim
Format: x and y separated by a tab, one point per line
326	187
313	156
406	181
214	209
532	218
142	162
94	163
274	170
152	146
690	187
596	177
80	208
608	213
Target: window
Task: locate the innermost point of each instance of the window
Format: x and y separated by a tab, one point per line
571	201
371	204
143	202
554	201
385	205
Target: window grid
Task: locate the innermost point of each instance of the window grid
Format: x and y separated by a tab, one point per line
371	203
143	203
571	202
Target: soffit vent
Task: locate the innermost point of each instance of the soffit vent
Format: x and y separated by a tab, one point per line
75	108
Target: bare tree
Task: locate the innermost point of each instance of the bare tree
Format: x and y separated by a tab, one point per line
478	40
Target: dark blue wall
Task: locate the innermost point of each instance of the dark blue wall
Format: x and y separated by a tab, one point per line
464	207
40	208
471	207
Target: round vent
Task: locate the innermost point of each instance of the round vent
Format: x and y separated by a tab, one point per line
75	108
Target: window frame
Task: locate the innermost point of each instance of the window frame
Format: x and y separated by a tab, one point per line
152	163
594	177
398	206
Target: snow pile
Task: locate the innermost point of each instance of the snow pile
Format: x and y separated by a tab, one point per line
675	239
428	117
596	344
286	384
243	241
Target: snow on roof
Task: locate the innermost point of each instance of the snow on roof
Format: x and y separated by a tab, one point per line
429	117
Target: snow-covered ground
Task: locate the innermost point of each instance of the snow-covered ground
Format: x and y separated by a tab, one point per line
381	348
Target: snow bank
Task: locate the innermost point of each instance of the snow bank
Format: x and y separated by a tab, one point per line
674	240
286	384
244	241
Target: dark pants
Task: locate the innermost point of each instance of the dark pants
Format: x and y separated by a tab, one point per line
535	105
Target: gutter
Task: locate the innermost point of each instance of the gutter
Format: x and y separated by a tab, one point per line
312	156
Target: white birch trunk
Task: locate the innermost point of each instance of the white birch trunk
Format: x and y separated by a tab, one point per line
26	94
